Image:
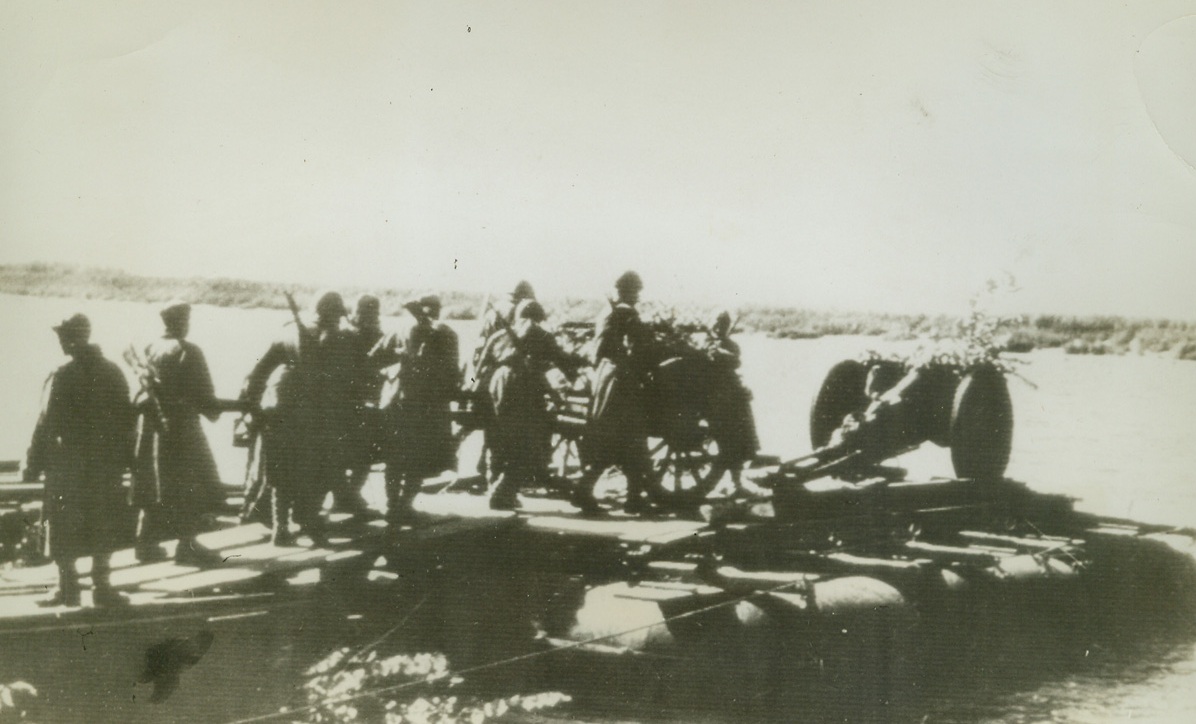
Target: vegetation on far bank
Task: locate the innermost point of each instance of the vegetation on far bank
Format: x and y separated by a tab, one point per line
1076	334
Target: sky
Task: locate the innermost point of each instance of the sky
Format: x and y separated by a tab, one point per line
830	154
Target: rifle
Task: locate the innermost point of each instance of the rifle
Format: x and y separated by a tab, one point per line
300	328
148	381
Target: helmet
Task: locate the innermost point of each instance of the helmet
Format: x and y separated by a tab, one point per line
330	304
368	307
722	323
629	281
431	305
530	309
523	290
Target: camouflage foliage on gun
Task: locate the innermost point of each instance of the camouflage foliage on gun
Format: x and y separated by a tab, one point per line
148	381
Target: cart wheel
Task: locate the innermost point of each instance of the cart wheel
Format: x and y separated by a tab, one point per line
981	426
683	477
842	393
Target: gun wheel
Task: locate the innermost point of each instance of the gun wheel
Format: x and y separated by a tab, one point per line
683	476
842	393
981	426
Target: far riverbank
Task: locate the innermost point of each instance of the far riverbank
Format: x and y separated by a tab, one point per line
1075	334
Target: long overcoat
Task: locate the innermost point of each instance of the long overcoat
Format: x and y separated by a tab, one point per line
418	441
522	423
174	464
306	385
83	445
617	428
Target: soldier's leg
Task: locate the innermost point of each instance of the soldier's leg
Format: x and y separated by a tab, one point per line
346	490
396	503
307	507
150	534
102	593
68	585
281	509
583	494
503	482
636	467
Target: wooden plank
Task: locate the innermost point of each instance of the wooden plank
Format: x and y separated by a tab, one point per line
952	553
616	529
240	535
201	580
137	575
1018	543
228	577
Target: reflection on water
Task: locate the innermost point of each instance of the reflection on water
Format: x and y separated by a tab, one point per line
1114	432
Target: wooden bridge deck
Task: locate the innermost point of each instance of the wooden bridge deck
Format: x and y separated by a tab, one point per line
252	566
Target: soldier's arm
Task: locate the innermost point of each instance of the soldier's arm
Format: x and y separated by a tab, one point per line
202	390
387	352
125	422
255	383
567	362
37	458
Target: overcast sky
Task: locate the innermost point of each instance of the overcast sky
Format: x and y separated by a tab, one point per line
874	155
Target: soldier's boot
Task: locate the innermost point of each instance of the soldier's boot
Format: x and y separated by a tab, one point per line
68	587
149	535
346	497
400	504
191	552
149	552
103	595
637	502
583	495
504	495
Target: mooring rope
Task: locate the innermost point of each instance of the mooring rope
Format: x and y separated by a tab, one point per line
460	673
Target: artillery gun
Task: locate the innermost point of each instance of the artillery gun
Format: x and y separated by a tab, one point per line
867	413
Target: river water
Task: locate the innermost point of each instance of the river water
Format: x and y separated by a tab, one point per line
1116	433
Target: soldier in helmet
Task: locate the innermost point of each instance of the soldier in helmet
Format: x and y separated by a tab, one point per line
175	481
363	442
731	423
492	343
416	415
616	431
446	371
520	434
82	444
304	387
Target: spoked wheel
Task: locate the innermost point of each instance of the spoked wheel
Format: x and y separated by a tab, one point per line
683	476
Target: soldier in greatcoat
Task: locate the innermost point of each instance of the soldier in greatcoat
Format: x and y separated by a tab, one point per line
445	369
416	408
520	433
492	340
175	480
616	432
731	419
363	442
303	388
83	444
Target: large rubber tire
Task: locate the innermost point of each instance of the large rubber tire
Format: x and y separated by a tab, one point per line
981	426
842	393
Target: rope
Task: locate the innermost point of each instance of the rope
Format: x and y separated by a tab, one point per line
519	658
394	628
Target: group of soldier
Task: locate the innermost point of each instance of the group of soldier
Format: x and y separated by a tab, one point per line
323	403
